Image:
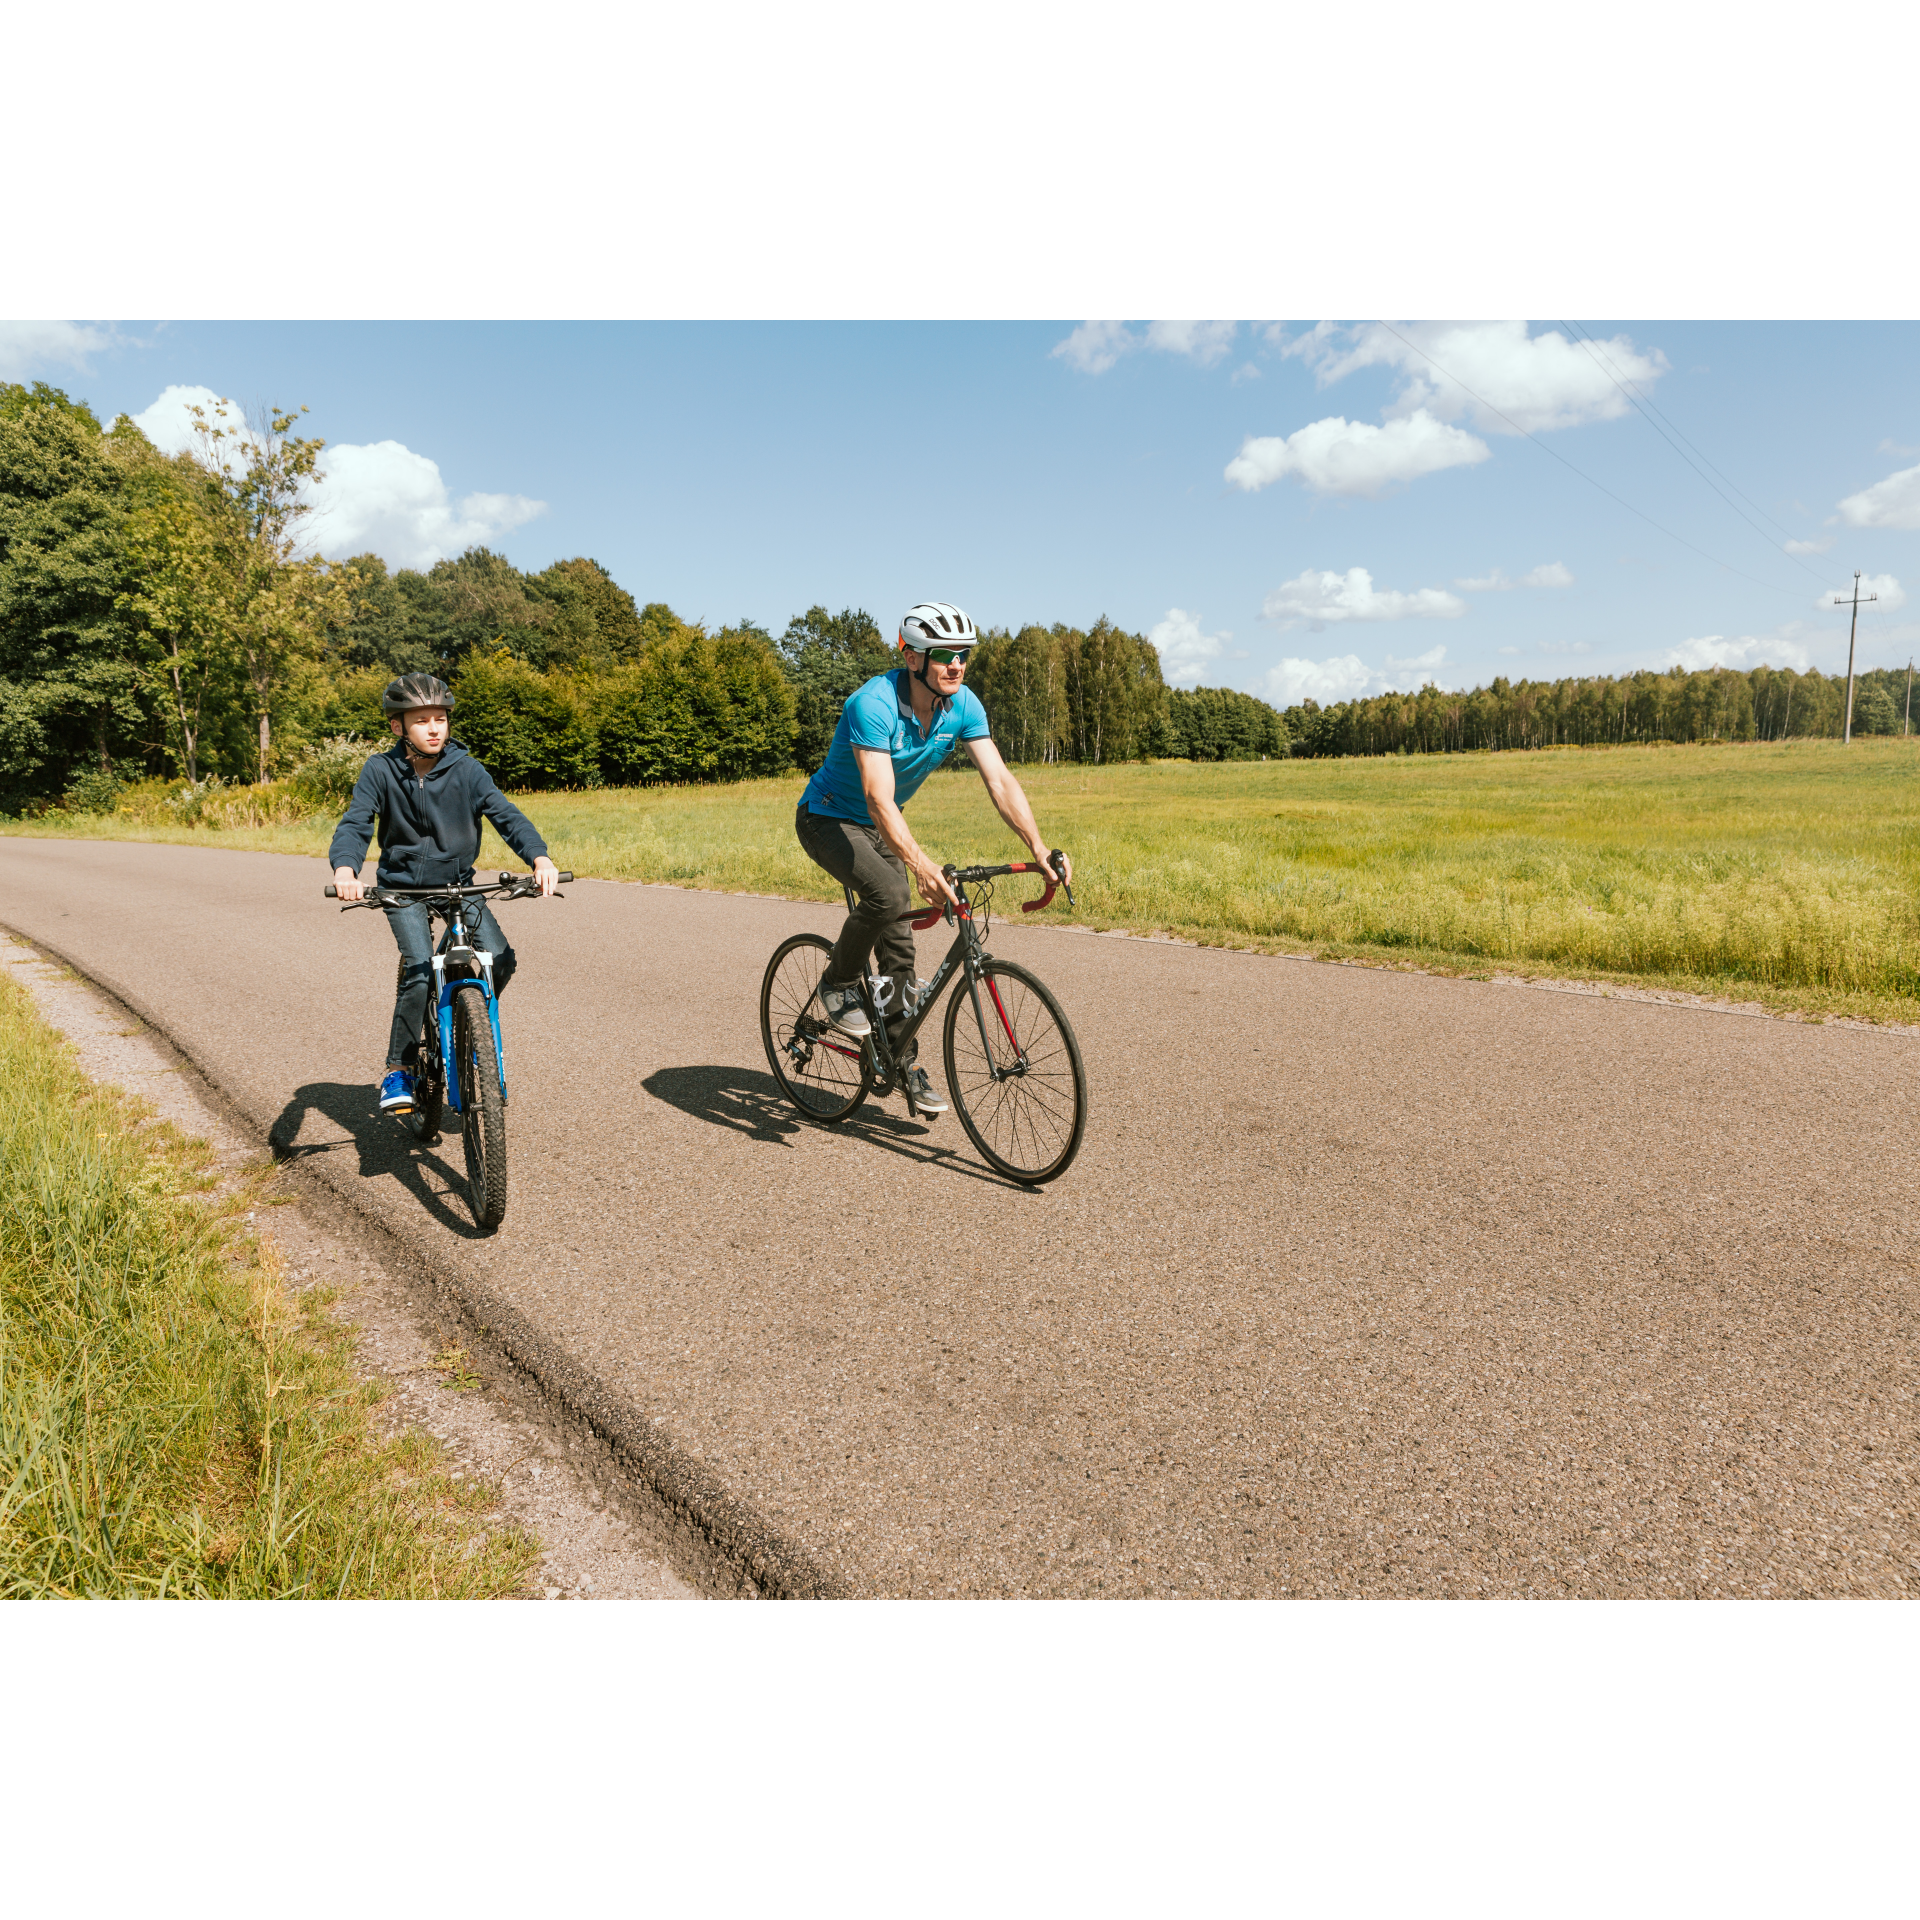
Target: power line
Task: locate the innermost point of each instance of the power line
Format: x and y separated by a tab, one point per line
1846	739
1647	412
1738	572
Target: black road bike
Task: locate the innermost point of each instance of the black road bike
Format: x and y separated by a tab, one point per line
1013	1064
462	1027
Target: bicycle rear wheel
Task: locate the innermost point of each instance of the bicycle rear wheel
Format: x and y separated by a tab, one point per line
817	1067
483	1112
1029	1121
429	1084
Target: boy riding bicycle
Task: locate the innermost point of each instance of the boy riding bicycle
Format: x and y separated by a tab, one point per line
892	733
428	796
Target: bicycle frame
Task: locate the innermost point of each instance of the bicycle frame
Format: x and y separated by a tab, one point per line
459	907
445	986
968	951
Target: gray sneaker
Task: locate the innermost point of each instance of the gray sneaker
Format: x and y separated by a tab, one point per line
921	1092
842	1006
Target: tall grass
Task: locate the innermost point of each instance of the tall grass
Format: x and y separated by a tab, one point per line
173	1419
1791	867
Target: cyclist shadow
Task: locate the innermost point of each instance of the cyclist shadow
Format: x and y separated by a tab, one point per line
750	1103
387	1149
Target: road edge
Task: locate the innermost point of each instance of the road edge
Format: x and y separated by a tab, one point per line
727	1545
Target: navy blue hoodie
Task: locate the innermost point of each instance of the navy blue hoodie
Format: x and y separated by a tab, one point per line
429	828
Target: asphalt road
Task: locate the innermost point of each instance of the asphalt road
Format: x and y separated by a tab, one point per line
1364	1283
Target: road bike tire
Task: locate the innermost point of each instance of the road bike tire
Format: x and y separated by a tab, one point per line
822	1073
483	1113
1029	1126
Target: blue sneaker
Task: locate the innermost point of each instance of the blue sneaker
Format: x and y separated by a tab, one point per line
396	1091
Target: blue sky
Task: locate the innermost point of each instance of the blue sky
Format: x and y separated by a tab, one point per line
1289	508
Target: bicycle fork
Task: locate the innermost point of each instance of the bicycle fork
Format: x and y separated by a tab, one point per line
444	990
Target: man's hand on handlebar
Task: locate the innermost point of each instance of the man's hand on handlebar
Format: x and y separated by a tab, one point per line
1055	862
347	885
547	874
934	889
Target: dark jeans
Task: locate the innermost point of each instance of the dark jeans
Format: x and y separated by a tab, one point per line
857	857
413	935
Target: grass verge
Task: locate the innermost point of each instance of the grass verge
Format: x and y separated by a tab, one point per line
1786	874
174	1419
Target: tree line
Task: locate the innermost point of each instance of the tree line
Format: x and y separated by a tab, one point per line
162	617
1710	704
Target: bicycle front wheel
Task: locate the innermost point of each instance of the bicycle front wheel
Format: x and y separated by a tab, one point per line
483	1112
1022	1096
818	1067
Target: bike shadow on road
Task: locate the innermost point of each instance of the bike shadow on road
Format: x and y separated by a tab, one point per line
388	1149
750	1103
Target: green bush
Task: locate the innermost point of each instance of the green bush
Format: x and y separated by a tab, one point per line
95	791
325	777
528	729
703	707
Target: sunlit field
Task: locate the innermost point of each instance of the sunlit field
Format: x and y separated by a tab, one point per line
1783	872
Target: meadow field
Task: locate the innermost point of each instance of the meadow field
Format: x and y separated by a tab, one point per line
1787	873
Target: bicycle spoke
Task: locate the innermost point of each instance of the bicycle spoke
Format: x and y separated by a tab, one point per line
819	1069
1021	1094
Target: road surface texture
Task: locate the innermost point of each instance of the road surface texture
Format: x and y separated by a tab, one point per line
1365	1283
550	1478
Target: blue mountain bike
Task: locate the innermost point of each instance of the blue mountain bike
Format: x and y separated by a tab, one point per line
462	1031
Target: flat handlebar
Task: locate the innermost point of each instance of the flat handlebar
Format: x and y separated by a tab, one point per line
508	883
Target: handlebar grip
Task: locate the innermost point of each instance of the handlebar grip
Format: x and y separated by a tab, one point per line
564	878
332	892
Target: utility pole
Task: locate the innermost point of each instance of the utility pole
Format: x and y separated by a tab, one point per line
1840	600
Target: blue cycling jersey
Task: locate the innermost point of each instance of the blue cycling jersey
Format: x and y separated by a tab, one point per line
880	717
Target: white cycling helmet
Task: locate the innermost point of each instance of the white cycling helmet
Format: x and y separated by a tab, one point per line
935	624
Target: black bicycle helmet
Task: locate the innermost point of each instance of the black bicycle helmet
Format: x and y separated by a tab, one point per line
415	690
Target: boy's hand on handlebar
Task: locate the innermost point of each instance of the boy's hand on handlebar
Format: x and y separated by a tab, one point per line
547	874
347	885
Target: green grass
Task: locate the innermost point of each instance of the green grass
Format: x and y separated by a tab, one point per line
174	1420
1781	873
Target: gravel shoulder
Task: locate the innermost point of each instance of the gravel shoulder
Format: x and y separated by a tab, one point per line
547	1476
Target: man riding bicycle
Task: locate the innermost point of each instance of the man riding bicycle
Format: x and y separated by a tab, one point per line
892	733
428	795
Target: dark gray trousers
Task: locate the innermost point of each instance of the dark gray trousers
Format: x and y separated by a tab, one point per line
857	857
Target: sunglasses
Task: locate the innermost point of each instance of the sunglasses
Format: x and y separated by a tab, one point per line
946	656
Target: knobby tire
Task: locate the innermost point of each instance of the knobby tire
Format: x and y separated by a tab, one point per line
483	1111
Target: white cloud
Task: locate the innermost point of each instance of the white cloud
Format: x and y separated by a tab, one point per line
1892	502
383	498
1094	345
1715	650
1327	597
1520	382
1328	681
1348	677
1553	574
1890	594
1203	340
1353	456
1810	546
389	500
31	346
168	423
1185	652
